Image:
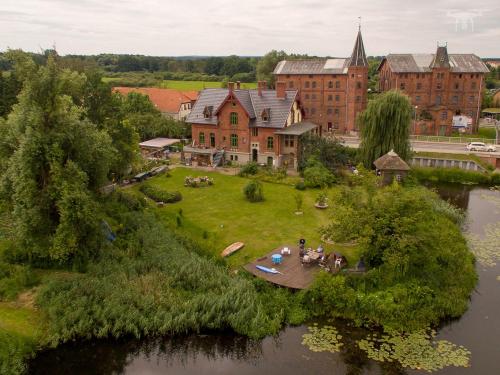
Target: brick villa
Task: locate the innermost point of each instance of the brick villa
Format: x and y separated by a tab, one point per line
331	91
445	89
247	125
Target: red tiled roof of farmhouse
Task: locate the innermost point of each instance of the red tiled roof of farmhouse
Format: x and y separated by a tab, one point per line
166	100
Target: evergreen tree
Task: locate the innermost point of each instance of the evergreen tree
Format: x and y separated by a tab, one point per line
385	126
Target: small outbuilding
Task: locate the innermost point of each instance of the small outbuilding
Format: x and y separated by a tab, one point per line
390	166
157	147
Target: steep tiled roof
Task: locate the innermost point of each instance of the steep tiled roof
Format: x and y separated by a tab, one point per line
166	100
254	104
421	63
279	108
358	56
317	66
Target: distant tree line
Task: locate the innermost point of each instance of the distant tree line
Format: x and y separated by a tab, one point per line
210	68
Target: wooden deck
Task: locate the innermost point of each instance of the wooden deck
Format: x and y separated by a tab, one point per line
293	273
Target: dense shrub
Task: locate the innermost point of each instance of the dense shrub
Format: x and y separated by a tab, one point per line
300	185
495	179
450	175
316	175
328	152
14	350
160	195
130	200
254	191
420	269
15	278
249	169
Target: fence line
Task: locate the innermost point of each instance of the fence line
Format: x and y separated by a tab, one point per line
436	138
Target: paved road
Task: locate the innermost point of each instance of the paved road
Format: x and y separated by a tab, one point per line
452	148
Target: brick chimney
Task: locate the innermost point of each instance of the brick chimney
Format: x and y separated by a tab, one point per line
238	84
230	86
281	89
261	85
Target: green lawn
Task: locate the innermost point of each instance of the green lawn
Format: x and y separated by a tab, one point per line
199	85
219	215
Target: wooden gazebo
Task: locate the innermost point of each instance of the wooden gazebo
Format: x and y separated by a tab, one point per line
390	166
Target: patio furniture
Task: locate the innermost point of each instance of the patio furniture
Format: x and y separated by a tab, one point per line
286	251
276	258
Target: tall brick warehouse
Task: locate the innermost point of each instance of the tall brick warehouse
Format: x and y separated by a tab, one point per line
331	91
442	87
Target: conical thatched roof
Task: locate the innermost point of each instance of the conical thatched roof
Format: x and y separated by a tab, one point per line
391	161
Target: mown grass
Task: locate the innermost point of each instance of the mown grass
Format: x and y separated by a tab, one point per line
198	85
219	215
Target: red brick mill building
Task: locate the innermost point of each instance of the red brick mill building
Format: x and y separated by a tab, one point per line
445	89
331	91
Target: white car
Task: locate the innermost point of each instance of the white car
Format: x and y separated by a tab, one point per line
480	146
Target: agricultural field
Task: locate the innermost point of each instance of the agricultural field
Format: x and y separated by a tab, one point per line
219	215
149	81
199	85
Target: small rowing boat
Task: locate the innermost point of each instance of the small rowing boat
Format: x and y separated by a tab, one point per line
268	270
232	249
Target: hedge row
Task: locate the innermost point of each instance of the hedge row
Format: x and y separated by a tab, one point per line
160	195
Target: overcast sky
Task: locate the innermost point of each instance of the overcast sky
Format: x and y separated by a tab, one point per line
249	27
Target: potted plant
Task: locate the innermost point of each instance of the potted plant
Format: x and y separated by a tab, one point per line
321	201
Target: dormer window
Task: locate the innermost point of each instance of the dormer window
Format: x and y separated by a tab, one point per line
266	114
207	112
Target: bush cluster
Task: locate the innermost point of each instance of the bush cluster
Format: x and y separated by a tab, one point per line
254	191
455	175
316	175
249	169
13	279
160	195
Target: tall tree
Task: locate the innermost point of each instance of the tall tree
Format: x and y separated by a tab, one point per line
266	65
385	126
56	163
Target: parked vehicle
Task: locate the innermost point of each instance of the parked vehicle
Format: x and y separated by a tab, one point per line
480	146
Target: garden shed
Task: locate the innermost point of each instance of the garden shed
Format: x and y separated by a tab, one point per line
390	166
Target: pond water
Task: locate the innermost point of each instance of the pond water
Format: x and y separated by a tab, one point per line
478	330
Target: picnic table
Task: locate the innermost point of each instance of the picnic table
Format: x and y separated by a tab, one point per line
311	256
314	255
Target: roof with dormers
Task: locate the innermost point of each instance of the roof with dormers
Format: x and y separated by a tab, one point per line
421	63
254	104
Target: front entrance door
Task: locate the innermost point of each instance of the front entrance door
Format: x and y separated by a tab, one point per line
442	130
255	154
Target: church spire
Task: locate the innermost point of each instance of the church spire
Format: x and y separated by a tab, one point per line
358	57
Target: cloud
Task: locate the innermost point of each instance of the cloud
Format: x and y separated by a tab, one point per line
222	27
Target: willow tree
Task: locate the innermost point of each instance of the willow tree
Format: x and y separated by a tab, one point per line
385	126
